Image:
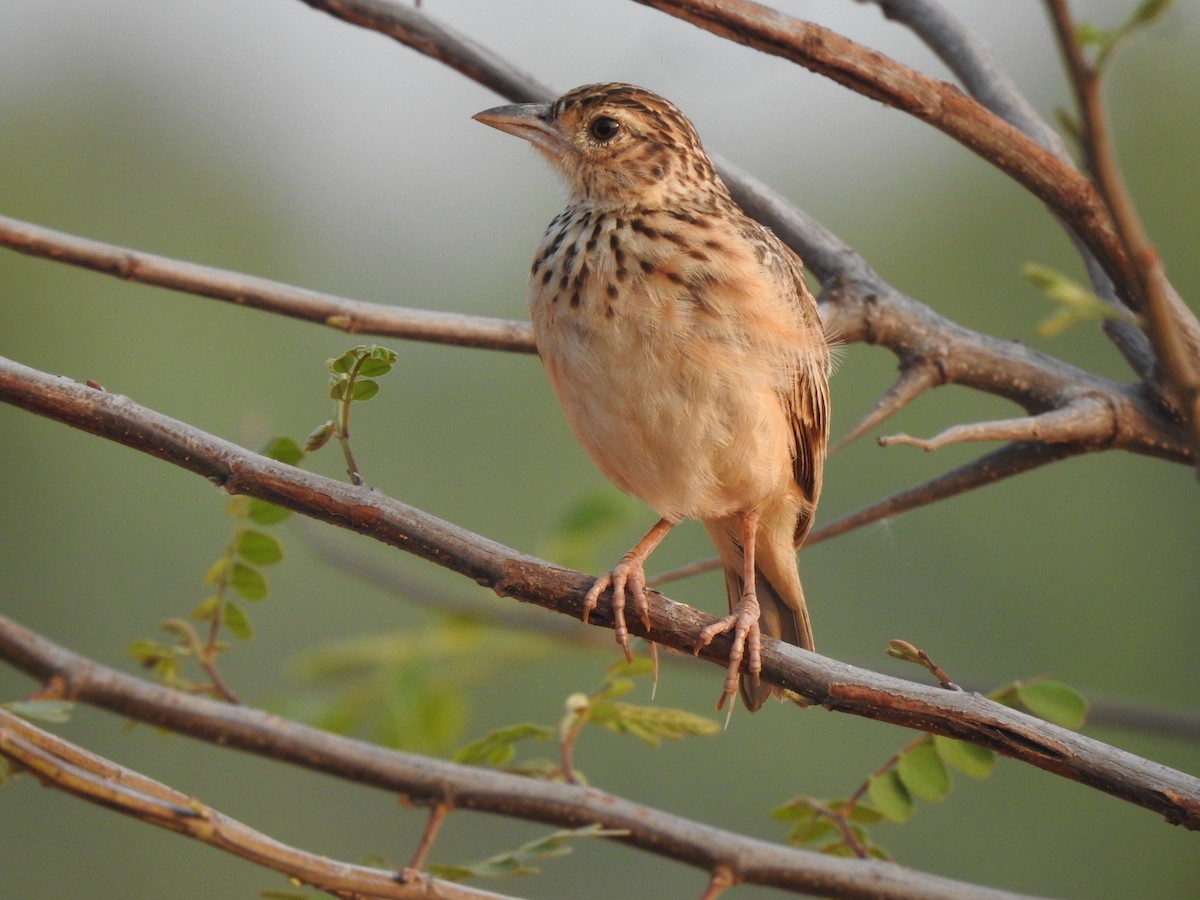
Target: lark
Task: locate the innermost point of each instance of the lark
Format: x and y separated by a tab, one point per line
687	353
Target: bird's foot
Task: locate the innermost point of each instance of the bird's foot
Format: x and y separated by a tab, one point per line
627	579
747	643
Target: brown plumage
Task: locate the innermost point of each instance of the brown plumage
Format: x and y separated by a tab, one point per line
686	350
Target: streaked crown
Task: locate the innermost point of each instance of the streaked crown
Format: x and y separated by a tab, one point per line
616	145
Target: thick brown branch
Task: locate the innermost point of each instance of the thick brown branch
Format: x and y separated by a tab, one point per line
431	781
823	681
934	102
67	767
354	316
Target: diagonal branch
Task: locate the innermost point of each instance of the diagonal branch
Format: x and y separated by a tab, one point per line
1012	459
934	102
430	781
59	764
913	381
972	61
510	574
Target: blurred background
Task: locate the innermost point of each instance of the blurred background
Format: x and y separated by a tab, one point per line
275	140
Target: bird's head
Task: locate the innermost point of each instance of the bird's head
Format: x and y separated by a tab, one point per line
616	145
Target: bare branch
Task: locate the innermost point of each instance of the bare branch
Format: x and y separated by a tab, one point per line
1010	460
1073	424
354	316
912	382
972	61
429	782
59	764
934	102
511	574
1172	327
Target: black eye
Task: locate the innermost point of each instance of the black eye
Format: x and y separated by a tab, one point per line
604	128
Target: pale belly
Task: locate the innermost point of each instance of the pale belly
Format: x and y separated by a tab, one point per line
688	422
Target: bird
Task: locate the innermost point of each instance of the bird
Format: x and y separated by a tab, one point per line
687	353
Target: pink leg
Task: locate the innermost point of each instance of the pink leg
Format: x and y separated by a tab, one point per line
742	620
628	575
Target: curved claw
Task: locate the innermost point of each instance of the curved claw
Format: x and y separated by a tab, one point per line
747	644
628	577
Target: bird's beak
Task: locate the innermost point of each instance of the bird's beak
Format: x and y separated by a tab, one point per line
529	121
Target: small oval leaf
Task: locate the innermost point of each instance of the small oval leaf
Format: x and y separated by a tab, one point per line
248	582
364	389
1055	702
923	772
263	513
258	548
889	796
970	759
236	622
284	450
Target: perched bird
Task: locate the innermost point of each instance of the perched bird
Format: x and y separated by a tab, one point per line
687	353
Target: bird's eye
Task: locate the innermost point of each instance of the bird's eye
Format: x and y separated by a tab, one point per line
604	128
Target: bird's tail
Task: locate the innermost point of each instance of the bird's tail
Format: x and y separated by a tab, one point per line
784	614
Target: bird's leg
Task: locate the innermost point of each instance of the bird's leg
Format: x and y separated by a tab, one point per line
742	620
628	575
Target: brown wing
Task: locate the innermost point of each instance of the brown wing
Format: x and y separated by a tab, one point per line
808	401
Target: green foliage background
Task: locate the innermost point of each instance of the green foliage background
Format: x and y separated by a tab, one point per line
280	142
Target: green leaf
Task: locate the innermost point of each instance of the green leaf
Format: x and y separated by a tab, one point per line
206	608
641	665
339	388
819	829
521	861
374	368
284	450
383	354
1089	35
53	711
496	748
923	773
218	571
650	723
1055	702
1077	303
890	797
340	365
258	548
861	813
972	760
248	581
234	618
364	389
263	513
1151	10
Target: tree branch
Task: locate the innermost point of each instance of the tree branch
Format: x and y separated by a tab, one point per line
934	102
353	316
428	781
1171	325
510	574
972	61
66	767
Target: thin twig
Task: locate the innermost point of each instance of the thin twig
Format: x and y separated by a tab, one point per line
1171	325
